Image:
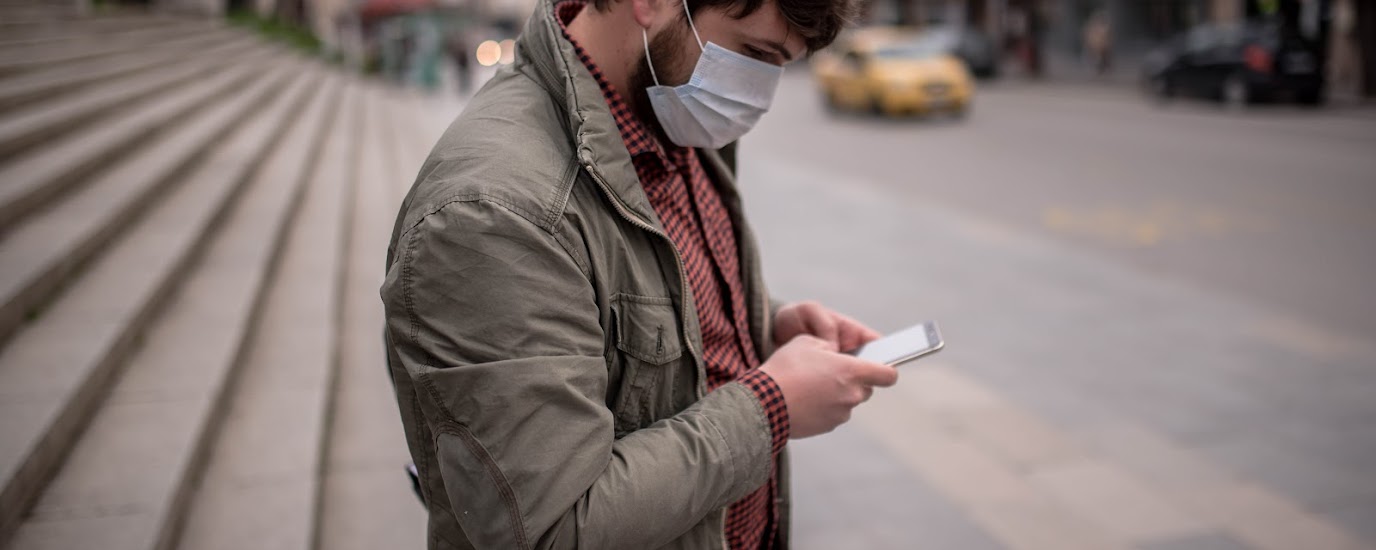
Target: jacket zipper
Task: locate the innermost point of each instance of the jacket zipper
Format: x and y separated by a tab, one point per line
635	220
678	263
683	291
626	214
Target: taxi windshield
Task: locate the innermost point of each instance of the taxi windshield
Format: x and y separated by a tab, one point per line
920	48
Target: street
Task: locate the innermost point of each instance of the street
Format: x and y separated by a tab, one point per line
1159	326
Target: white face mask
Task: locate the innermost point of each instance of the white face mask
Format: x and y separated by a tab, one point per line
720	103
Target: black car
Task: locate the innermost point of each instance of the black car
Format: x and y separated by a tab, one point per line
1238	64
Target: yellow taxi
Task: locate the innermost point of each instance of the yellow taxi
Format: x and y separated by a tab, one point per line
892	71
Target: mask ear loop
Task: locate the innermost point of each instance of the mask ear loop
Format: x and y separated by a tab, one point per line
689	15
645	38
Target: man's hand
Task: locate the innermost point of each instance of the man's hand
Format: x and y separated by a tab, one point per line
821	386
814	319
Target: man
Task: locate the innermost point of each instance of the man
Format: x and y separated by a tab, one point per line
581	343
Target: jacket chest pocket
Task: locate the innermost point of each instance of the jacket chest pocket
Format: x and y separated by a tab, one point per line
649	343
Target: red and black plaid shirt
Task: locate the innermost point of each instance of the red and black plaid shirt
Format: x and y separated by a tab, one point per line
698	224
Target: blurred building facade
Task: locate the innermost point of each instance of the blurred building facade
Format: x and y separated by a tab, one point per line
346	27
1135	22
1345	29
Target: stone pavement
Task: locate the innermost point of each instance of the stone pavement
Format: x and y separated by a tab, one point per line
1078	404
192	225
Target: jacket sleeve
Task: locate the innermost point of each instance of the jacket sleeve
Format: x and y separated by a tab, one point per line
497	326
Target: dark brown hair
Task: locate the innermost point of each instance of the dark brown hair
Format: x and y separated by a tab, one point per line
817	21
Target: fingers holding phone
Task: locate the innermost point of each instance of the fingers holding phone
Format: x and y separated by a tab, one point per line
812	318
820	385
851	334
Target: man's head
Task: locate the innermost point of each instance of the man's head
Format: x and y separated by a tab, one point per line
772	31
758	28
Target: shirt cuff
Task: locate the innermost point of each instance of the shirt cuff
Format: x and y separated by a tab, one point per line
772	400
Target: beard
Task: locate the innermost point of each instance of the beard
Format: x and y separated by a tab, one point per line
667	50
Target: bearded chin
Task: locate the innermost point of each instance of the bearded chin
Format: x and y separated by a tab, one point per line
666	48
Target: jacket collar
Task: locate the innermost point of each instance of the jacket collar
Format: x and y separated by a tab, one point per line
596	139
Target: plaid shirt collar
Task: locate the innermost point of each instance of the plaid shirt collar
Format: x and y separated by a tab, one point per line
638	137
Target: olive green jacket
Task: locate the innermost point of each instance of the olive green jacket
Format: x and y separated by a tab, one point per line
542	337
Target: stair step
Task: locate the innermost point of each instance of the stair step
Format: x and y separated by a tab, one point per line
42	253
33	179
142	453
79	41
14	14
366	501
262	478
51	380
45	121
399	124
37	86
38	13
154	37
55	31
33	3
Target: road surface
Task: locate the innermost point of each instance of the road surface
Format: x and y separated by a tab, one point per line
1160	323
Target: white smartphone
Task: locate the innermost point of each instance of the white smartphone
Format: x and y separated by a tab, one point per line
903	346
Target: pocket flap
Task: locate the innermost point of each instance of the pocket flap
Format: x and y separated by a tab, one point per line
647	328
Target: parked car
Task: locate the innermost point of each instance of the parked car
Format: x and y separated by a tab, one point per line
1238	64
976	49
890	71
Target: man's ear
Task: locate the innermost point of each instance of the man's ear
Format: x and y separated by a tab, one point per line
646	12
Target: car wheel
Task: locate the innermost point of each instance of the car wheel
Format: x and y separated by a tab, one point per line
1313	98
830	103
1236	93
876	107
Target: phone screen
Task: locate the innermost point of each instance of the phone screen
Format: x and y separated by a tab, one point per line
904	345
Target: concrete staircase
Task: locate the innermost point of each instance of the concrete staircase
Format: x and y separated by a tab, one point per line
192	229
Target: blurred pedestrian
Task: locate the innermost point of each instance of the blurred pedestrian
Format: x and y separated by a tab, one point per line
578	332
1098	41
425	50
1345	59
459	53
1026	28
1015	27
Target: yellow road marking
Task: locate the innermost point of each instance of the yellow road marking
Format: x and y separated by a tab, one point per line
1147	225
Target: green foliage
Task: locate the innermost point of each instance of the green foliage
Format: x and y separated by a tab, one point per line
276	29
372	65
